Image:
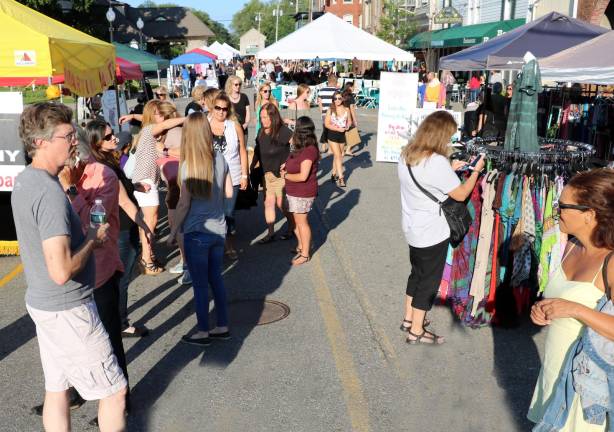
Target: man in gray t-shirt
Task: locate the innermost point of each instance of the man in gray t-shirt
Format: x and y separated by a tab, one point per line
57	257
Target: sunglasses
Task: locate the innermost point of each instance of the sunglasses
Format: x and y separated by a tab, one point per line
237	84
563	206
266	91
108	137
338	98
219	108
510	88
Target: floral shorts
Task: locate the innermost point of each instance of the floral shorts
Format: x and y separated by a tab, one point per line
299	204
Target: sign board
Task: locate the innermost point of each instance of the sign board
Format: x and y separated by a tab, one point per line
12	159
448	15
109	109
417	117
397	100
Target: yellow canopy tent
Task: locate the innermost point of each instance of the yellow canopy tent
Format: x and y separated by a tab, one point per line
34	45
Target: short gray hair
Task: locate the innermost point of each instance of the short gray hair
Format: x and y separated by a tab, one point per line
38	121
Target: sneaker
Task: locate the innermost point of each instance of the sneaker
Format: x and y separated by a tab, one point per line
185	278
177	268
206	341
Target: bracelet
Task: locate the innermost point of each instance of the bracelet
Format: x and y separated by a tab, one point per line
243	176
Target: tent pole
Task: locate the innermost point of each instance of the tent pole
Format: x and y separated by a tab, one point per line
117	101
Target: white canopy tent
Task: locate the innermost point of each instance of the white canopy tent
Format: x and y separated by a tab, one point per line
591	62
220	51
329	37
232	49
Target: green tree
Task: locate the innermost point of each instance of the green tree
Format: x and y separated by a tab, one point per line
245	19
397	24
221	33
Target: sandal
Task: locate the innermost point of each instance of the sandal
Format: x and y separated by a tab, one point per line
297	261
267	239
406	328
334	178
232	254
341	182
424	336
151	269
287	236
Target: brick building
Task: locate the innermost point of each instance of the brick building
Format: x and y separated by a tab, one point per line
348	10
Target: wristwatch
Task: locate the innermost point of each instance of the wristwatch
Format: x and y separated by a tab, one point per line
72	191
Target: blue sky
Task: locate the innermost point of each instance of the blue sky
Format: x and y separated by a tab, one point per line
219	10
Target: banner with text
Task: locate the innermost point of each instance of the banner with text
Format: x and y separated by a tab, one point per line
12	160
397	100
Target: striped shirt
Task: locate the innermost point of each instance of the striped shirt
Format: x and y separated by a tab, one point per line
326	97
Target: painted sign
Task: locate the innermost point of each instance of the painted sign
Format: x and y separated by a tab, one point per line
397	100
448	15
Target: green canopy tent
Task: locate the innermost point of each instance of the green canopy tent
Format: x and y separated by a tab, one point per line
148	62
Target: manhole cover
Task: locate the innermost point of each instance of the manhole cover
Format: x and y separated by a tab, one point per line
256	312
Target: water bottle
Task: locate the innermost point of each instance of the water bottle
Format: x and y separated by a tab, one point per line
98	215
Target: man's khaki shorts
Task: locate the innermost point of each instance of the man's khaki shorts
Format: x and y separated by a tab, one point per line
76	351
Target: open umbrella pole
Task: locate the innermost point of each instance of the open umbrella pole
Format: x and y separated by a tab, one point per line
117	102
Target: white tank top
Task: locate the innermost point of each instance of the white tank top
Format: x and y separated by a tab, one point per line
230	150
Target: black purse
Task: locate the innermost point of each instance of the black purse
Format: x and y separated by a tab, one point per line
456	213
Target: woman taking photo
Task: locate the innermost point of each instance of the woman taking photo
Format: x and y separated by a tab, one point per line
425	227
299	107
301	176
264	96
157	118
586	212
103	148
228	139
337	122
240	102
205	181
272	150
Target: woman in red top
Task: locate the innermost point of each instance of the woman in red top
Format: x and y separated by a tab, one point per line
474	87
300	172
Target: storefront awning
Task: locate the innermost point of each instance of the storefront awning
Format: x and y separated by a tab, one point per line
462	36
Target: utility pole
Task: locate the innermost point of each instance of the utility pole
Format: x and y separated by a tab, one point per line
310	10
276	13
259	19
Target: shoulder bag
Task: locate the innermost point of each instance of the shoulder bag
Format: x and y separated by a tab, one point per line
352	137
456	213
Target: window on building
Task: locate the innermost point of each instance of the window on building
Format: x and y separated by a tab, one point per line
348	1
349	18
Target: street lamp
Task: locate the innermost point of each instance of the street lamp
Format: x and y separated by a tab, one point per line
111	17
276	14
259	19
140	24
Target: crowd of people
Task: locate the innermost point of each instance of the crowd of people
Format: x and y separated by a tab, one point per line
89	260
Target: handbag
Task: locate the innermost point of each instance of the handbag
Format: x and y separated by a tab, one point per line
130	163
352	138
455	212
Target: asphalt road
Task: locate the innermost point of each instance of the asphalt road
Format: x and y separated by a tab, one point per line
338	362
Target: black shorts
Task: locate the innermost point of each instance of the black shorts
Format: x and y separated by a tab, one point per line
335	136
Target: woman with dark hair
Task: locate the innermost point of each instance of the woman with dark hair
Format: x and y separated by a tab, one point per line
576	307
205	182
229	140
493	121
272	150
424	161
337	122
300	173
349	101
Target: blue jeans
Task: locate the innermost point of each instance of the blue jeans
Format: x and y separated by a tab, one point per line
128	250
204	254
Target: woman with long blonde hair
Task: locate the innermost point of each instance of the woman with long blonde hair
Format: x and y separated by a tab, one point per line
263	97
299	107
240	102
424	164
158	117
205	182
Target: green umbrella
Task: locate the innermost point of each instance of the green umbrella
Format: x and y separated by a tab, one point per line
147	61
521	133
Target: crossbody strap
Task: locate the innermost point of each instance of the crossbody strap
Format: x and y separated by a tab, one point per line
424	191
604	274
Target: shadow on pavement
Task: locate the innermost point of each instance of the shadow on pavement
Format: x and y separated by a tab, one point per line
15	335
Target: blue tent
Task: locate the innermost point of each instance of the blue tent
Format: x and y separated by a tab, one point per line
191	58
543	37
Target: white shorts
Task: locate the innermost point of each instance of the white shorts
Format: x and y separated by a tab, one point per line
75	350
149	199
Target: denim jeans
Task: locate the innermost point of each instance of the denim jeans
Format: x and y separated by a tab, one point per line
128	250
204	254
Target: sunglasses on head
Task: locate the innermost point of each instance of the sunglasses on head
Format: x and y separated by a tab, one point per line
108	137
219	108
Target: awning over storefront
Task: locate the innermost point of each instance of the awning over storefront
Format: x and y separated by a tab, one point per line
462	36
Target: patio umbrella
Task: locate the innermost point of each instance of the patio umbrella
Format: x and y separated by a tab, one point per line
521	133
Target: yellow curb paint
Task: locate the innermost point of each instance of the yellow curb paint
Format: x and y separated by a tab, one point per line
10	276
356	403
